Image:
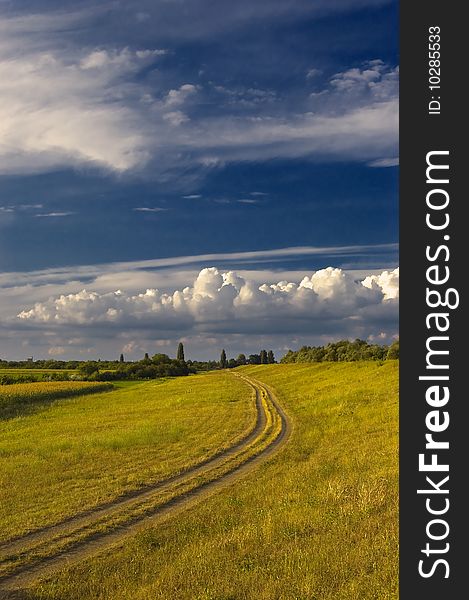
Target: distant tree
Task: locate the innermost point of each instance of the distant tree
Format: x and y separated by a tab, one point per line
241	360
263	357
344	351
121	358
232	363
180	352
88	368
254	359
223	361
146	356
270	357
393	351
161	359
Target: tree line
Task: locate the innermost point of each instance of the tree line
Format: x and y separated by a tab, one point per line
161	365
343	350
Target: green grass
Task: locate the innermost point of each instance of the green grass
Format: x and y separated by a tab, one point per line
77	453
318	521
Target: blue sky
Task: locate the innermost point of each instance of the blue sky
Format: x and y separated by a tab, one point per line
142	142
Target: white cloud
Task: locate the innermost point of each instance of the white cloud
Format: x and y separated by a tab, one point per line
387	281
174	99
56	351
384	162
62	106
374	76
175	118
121	59
311	73
150	209
179	96
242	309
54	214
219	301
365	133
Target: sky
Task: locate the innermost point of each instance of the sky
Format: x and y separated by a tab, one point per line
219	173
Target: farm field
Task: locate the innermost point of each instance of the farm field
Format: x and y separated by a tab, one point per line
73	454
19	399
318	520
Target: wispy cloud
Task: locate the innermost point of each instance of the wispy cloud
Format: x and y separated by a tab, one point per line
91	272
29	206
312	73
154	209
384	162
64	105
55	214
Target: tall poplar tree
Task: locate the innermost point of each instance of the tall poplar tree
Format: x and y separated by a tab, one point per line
223	361
180	353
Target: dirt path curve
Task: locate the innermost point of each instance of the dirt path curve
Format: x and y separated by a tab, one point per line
41	552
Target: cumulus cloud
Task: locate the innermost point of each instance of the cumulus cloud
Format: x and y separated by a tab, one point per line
219	301
179	96
374	76
387	281
241	307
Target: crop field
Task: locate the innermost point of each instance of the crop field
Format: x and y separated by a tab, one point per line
20	398
316	520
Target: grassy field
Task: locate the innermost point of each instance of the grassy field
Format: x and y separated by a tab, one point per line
318	521
75	453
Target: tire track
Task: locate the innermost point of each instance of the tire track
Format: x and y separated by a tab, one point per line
40	553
